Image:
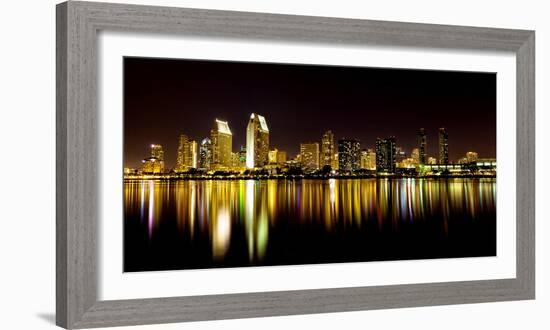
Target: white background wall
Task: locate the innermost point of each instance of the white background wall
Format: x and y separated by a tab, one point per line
27	135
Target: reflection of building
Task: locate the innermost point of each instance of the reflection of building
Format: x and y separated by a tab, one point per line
257	142
349	153
222	144
309	156
155	163
327	149
205	154
385	155
187	154
471	156
422	146
443	146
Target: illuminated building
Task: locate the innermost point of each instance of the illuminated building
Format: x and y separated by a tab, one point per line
364	159
257	142
309	156
400	155
242	154
443	146
155	163
277	156
432	160
222	144
187	154
371	160
471	156
327	149
335	163
422	146
415	155
349	153
385	155
205	154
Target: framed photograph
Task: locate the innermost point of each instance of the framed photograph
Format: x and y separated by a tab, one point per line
216	165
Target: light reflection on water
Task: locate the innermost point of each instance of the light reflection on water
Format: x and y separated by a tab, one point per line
227	213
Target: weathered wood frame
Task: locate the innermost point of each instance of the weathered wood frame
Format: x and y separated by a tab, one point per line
78	24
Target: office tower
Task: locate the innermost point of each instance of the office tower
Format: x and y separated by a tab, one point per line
222	144
385	155
257	142
155	163
187	154
471	156
349	153
327	149
205	154
422	146
272	156
371	160
443	146
242	155
309	156
415	155
364	159
192	154
400	155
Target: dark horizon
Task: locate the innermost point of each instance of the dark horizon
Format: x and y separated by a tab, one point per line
164	98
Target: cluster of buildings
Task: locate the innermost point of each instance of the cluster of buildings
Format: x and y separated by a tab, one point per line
329	156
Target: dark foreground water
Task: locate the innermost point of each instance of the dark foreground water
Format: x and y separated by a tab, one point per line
205	224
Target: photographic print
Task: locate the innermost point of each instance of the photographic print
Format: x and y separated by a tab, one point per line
237	164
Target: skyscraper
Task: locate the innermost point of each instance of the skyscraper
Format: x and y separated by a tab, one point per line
187	154
155	163
327	149
222	144
309	156
415	155
349	154
205	154
385	155
443	146
422	145
257	142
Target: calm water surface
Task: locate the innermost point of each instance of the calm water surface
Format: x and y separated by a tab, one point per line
215	223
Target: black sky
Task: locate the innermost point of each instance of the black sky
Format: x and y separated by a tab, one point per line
164	98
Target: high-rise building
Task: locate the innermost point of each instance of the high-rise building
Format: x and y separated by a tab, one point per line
400	154
422	146
385	155
349	154
257	142
155	163
205	154
309	156
242	154
222	144
443	146
327	149
415	155
187	157
371	160
432	161
277	156
364	159
471	156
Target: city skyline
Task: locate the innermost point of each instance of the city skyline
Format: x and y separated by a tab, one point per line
165	126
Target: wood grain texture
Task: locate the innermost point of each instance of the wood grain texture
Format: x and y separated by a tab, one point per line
77	179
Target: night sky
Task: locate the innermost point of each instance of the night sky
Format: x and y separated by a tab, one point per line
165	98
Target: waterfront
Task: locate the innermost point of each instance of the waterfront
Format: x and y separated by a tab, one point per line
188	224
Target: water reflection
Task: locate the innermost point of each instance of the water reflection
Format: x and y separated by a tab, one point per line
218	223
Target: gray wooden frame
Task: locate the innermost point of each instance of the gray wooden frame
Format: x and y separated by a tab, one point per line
78	24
